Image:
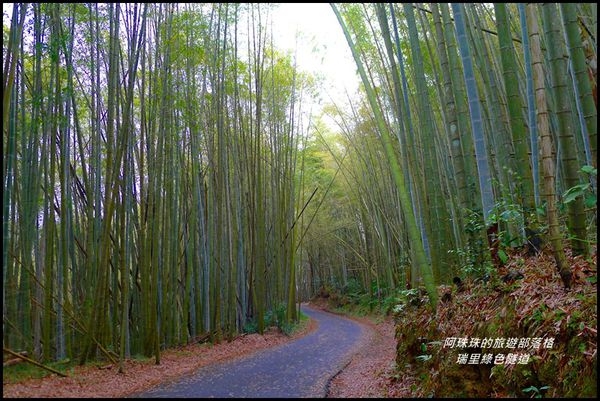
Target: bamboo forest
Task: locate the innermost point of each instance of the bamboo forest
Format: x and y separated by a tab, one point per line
172	177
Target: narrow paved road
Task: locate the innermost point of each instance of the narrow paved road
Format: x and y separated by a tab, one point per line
301	368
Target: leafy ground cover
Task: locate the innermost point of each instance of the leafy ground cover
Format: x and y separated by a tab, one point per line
555	329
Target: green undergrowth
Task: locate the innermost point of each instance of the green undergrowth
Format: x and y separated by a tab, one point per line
24	370
301	325
276	317
534	307
351	300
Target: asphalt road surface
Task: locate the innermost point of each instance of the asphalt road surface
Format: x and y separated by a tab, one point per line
301	368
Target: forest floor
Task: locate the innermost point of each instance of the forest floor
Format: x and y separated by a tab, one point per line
366	375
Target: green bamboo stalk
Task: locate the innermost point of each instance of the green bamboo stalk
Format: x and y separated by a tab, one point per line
582	78
460	97
515	109
570	165
531	121
546	145
487	197
432	198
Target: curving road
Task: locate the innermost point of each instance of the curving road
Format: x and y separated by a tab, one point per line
301	368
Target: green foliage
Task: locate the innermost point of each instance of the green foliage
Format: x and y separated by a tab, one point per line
303	320
536	392
503	256
406	298
389	303
472	262
469	265
591	170
506	214
578	190
250	327
585	191
24	370
473	221
426	350
275	317
353	288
